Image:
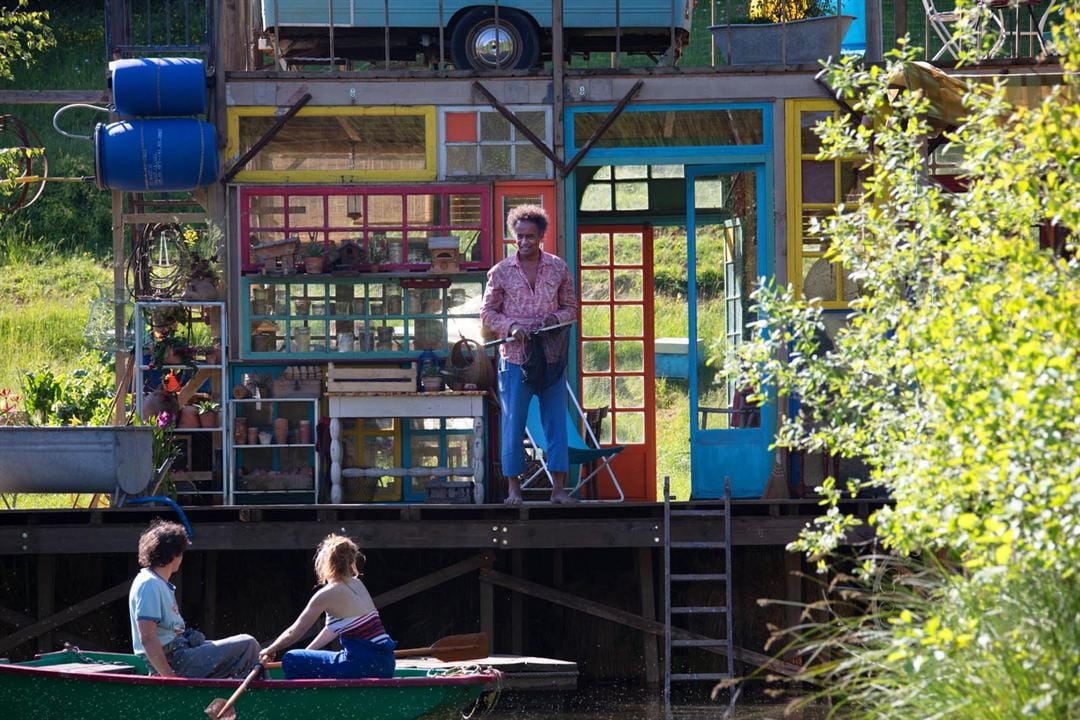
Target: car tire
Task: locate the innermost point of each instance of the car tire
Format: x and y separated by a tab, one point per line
472	41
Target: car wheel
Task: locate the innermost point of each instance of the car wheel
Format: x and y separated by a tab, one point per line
476	43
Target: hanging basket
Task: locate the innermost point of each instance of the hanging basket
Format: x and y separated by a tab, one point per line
469	364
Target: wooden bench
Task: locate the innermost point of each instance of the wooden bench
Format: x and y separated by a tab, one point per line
78	667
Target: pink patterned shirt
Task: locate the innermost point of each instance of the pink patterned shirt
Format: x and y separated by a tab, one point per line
509	299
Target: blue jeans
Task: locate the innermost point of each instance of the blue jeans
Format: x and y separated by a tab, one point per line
192	655
357	659
514	397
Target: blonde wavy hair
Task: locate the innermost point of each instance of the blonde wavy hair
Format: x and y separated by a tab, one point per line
338	558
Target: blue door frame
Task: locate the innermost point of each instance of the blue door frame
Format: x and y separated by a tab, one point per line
741	454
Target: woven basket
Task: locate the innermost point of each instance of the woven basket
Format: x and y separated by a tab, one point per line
470	365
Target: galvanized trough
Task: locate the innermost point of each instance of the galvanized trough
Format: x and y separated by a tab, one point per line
76	459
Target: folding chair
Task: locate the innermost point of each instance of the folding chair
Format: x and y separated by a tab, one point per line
583	451
939	22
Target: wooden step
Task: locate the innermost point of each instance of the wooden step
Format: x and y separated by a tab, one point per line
699	643
699	676
698	545
697	513
697	610
698	577
77	667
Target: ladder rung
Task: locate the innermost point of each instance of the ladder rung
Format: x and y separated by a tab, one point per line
693	577
699	544
698	609
697	513
699	676
699	643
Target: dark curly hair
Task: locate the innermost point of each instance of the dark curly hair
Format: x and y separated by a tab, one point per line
529	213
161	543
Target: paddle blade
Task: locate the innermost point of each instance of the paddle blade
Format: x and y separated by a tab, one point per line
213	710
453	648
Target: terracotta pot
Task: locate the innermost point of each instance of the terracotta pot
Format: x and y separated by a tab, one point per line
213	355
253	436
432	383
305	432
281	431
189	417
208	419
313	264
240	430
173	358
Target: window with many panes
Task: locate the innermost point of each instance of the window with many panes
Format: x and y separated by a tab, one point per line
390	224
483	143
815	188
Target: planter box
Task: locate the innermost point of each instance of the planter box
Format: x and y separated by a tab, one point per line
795	42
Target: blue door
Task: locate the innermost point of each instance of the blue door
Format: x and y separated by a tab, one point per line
729	249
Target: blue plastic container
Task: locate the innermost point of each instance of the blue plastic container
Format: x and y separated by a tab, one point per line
158	86
155	154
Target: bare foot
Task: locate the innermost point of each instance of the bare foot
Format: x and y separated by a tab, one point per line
561	497
512	499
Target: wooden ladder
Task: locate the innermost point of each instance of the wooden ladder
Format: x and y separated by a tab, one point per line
715	557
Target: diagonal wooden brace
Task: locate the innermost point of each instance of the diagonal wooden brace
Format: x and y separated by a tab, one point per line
266	138
521	126
603	128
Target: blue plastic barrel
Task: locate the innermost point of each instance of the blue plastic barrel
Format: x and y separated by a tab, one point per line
155	154
855	39
158	86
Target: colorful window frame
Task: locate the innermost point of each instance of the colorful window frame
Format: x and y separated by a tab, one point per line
480	142
334	214
814	188
234	149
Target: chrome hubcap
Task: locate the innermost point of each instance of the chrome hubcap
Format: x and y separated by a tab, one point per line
495	48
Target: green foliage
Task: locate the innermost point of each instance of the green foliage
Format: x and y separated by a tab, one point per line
312	248
23	34
81	397
957	380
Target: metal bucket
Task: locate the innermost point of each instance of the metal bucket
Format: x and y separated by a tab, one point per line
76	459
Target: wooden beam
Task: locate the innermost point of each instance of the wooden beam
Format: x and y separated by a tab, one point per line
265	139
648	610
434	579
602	128
521	126
46	597
623	617
77	610
517	605
18	620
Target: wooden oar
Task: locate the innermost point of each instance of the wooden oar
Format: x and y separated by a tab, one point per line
452	648
219	709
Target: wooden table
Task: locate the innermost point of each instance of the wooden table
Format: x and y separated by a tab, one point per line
404	405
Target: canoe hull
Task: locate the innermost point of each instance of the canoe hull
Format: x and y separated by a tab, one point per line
32	690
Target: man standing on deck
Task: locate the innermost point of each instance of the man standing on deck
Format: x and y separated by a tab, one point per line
525	292
158	632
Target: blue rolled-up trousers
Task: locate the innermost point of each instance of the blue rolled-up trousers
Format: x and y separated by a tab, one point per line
514	398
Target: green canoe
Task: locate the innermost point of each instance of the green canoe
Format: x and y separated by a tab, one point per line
74	685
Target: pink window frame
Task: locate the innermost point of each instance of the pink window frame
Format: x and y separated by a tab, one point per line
442	190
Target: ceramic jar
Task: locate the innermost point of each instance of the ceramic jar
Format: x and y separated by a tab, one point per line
281	431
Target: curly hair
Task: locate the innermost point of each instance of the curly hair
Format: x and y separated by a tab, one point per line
161	543
528	213
338	558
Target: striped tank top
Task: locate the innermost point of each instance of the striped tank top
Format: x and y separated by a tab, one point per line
365	627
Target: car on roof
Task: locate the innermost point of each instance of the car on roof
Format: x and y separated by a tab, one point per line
514	35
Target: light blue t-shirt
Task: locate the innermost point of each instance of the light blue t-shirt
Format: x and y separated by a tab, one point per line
152	597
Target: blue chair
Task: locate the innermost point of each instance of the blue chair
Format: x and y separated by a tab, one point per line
583	454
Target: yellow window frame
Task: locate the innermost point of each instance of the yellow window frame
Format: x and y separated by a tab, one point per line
429	172
794	156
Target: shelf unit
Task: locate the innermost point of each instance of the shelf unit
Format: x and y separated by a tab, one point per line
370	316
199	472
269	470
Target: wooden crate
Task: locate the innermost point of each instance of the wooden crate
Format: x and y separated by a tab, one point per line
457	492
370	379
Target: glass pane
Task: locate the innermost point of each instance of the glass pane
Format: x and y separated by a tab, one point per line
632	196
424	451
595	285
627	248
535	121
461	160
424	209
819	279
494	159
708	193
603	173
631	172
596	391
458	452
595	356
594	249
850	182
595	320
465	209
811	143
629	284
673	128
306	210
629	320
530	161
667	171
813	243
493	126
817	181
629	355
385	210
267	211
629	428
597	197
630	391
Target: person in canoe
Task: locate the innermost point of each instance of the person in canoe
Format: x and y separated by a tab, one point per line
351	618
158	631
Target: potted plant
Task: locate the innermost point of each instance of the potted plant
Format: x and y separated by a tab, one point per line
189	417
171	349
378	254
432	379
208	413
782	32
199	264
313	257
